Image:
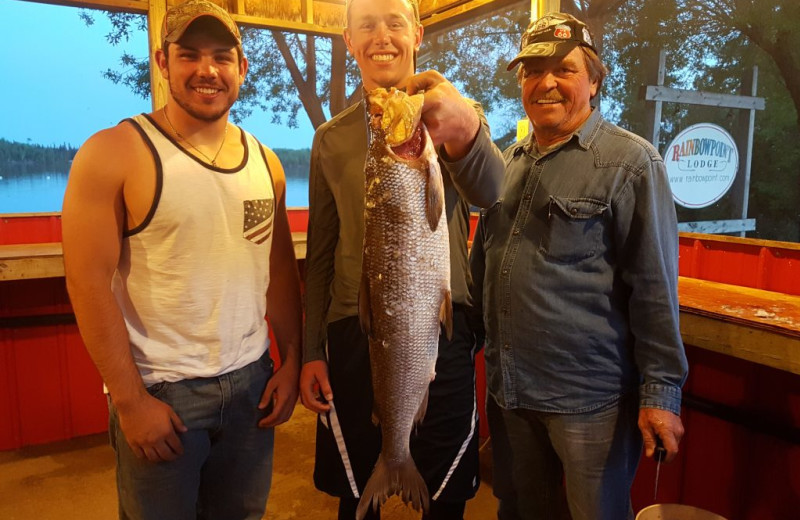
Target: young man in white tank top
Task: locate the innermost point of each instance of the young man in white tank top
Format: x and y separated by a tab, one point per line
176	246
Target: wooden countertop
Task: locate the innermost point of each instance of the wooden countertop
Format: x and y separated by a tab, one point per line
30	261
751	324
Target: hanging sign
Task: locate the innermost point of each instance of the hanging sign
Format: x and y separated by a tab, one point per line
702	162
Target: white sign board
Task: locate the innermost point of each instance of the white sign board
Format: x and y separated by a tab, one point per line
702	162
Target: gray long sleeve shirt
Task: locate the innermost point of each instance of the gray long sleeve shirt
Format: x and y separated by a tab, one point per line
336	217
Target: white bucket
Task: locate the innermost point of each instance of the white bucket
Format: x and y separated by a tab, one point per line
676	512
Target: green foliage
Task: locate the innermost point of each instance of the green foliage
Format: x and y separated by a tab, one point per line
20	159
710	45
295	162
269	87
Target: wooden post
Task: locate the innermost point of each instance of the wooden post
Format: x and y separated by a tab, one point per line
745	128
656	77
307	11
158	85
540	8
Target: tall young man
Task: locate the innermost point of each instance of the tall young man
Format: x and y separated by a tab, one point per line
384	37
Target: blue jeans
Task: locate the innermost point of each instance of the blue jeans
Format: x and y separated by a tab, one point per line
594	453
226	468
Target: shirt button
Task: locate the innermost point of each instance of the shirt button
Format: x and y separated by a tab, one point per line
505	271
506	346
516	231
527	197
573	211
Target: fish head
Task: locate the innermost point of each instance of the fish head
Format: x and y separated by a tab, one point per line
394	118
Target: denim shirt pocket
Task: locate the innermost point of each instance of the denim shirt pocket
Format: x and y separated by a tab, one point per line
574	229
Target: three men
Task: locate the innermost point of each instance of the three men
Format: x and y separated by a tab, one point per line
176	246
576	267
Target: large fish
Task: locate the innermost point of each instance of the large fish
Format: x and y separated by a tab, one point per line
405	288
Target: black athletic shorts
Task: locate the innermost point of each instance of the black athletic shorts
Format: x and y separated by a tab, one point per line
444	446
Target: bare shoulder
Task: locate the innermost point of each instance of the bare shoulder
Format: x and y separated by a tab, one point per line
271	156
112	153
275	166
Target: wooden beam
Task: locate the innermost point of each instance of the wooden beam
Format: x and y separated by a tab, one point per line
307	11
754	242
457	12
30	261
719	226
463	11
132	6
692	97
737	340
750	324
286	25
159	88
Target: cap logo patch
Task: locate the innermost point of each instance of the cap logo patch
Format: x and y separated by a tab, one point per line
540	49
546	21
563	31
587	37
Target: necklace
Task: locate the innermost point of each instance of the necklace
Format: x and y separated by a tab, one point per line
212	160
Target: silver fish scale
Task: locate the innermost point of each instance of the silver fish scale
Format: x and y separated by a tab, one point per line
408	268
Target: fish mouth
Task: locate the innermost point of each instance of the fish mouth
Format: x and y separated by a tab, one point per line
397	117
412	148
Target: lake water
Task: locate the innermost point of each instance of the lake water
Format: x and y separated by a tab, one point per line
44	192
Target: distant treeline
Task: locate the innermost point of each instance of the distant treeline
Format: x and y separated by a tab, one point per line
22	158
295	162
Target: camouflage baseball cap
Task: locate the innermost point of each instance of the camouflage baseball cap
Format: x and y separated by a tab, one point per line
181	16
554	34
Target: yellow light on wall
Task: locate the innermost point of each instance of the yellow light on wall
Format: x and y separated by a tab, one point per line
538	9
542	7
523	127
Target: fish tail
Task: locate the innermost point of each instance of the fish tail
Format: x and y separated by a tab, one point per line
401	479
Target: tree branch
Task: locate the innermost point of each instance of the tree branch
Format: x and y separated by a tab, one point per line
306	91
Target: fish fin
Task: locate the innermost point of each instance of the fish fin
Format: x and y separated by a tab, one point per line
446	315
435	190
364	308
423	407
402	479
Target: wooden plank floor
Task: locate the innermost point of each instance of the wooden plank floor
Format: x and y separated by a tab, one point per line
74	480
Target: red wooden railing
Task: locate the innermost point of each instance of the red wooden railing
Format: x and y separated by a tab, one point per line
739	458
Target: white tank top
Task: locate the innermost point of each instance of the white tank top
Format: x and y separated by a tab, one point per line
192	278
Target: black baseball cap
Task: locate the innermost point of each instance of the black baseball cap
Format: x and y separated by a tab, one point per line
554	34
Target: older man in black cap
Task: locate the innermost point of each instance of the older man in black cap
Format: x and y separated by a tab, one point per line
176	245
576	267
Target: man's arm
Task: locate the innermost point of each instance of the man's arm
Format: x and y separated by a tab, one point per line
648	256
93	218
284	307
474	162
323	235
449	118
477	267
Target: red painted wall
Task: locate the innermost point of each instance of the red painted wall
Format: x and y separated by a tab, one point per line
49	389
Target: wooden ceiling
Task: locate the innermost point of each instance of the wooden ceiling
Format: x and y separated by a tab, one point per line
323	17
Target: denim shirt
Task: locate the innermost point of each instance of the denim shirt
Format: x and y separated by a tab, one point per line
576	267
